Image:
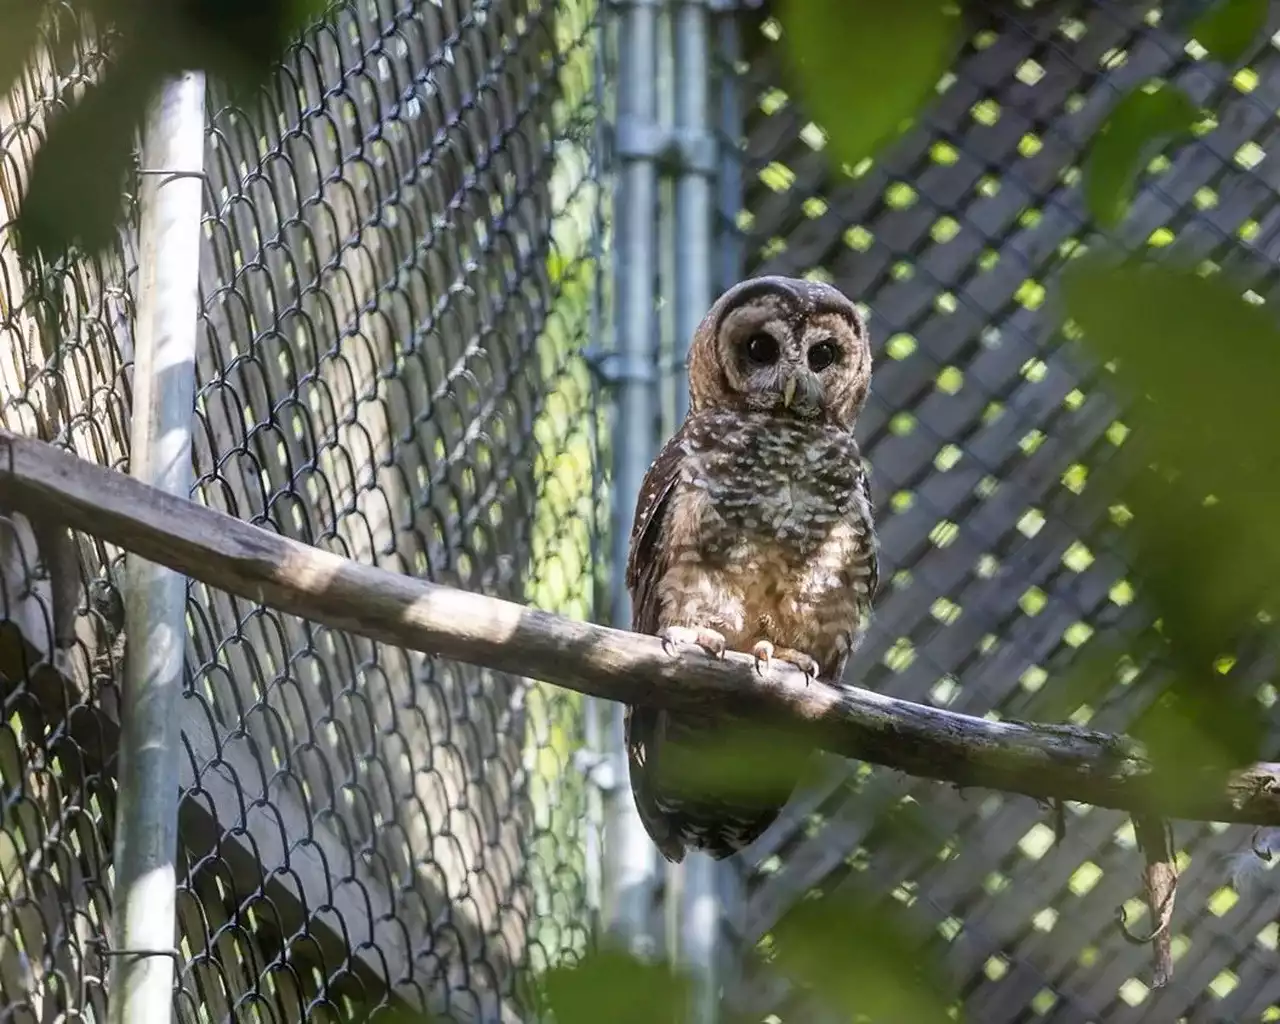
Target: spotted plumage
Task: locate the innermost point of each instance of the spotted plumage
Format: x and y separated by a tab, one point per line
753	530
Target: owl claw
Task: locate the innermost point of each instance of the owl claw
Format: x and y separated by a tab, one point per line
765	652
708	639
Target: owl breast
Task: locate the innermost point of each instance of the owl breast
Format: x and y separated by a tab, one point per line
771	535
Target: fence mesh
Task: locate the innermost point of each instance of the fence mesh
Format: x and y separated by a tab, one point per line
401	271
399	274
1001	557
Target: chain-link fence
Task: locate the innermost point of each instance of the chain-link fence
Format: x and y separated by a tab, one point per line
1001	555
400	270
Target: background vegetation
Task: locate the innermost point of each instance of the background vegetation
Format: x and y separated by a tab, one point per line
1192	351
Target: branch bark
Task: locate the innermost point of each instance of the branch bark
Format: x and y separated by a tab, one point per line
1043	761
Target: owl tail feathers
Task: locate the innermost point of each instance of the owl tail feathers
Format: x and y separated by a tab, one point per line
694	790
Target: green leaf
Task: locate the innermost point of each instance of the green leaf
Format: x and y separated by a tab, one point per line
1231	27
609	985
1200	365
240	41
1201	574
21	29
393	1015
1142	118
727	766
859	960
1204	359
862	93
78	177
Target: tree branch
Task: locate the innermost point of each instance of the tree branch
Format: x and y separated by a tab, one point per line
1042	761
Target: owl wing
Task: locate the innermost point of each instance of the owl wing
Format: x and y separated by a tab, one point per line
864	508
647	562
873	552
647	559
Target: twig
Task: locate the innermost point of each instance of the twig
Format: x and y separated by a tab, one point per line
1051	762
1160	886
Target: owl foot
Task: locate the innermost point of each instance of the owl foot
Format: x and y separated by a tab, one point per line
708	639
765	652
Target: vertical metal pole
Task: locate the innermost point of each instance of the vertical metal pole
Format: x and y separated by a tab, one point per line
142	975
699	907
669	344
670	881
694	210
730	266
632	857
729	188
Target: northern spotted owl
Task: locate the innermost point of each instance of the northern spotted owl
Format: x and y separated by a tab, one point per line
753	530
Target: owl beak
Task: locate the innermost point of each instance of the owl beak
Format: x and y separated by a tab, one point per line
788	392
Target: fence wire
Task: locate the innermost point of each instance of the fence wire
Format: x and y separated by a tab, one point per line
399	275
1002	558
402	267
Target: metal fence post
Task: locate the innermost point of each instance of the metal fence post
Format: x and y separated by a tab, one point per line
730	254
697	168
146	828
696	165
727	252
631	856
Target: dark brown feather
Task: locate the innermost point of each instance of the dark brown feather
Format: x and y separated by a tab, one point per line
646	564
646	559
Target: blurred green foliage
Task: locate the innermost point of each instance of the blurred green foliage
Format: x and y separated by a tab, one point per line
865	67
79	174
1230	28
1144	119
862	959
1202	537
559	573
1204	551
1193	356
610	986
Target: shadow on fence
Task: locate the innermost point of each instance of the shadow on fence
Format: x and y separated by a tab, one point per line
400	268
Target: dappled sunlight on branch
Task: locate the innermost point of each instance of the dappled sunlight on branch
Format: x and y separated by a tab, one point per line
1045	761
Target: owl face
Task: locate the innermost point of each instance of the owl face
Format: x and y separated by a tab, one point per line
783	346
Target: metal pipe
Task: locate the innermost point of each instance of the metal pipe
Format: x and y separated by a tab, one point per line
146	824
631	854
699	904
670	880
670	345
693	206
730	266
729	187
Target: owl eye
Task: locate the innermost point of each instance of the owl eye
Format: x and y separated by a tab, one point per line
762	349
822	355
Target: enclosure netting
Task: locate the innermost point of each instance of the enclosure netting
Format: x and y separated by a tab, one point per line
1001	560
399	273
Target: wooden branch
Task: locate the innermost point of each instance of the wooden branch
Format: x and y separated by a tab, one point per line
1160	886
1042	761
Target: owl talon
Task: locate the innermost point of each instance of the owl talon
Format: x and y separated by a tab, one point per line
708	639
804	662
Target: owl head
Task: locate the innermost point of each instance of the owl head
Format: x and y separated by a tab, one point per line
785	346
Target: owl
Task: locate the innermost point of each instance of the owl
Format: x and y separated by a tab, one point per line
753	532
